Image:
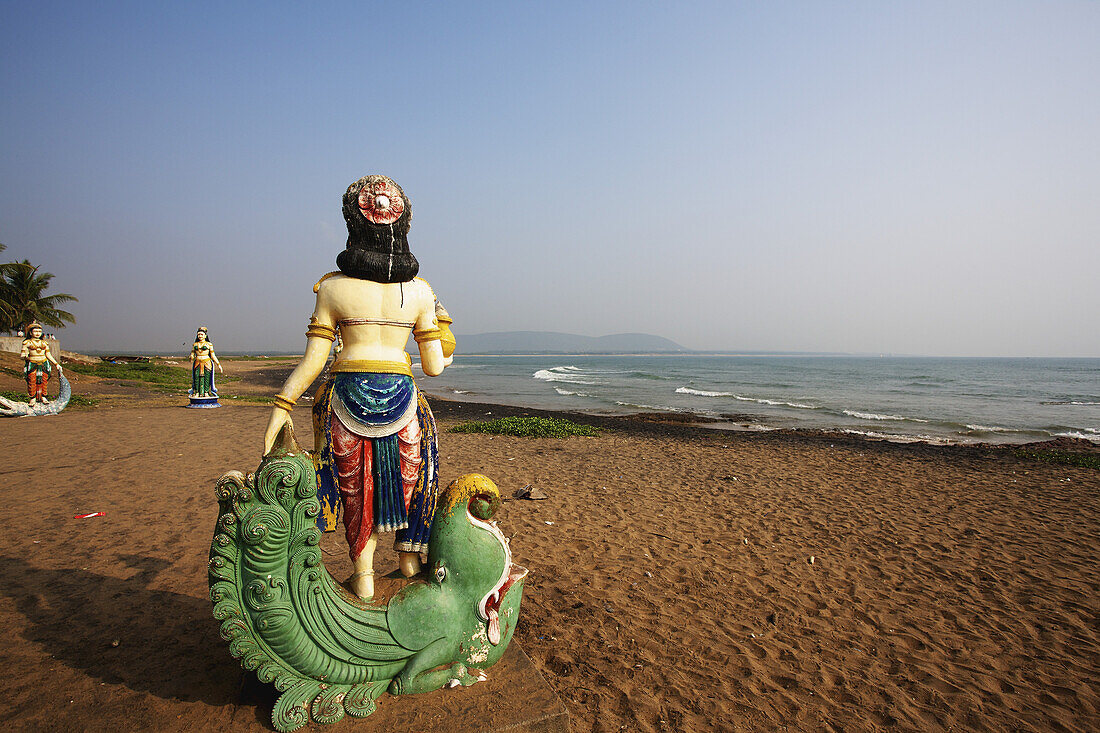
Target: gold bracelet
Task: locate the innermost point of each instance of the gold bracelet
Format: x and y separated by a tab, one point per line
283	402
431	334
321	331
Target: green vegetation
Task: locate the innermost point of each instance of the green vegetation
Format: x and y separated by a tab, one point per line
23	298
1085	460
77	400
528	427
158	375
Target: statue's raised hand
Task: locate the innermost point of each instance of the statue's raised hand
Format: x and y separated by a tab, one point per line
279	418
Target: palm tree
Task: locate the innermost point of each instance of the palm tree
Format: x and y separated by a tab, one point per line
7	311
22	298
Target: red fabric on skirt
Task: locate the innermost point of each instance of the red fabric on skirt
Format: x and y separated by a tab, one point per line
352	457
36	383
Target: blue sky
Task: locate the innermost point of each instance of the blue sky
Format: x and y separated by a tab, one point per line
864	177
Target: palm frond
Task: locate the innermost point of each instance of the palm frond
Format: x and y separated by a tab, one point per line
23	299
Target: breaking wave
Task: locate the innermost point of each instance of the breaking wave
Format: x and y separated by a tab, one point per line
567	374
876	416
1093	435
757	400
639	406
777	403
897	438
702	393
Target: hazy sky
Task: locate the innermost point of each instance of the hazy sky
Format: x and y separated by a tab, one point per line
866	177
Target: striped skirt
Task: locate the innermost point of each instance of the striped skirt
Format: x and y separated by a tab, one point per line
377	459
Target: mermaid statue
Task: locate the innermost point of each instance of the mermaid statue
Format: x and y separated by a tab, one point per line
376	454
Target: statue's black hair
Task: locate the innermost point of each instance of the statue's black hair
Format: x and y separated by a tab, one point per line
378	252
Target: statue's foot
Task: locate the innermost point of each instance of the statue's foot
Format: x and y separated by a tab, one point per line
362	584
409	562
461	676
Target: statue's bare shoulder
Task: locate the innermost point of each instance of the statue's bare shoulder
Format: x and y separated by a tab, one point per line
425	291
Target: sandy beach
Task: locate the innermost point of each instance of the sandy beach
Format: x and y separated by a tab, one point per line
681	578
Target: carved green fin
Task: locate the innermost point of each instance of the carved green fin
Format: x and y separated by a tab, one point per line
326	652
281	612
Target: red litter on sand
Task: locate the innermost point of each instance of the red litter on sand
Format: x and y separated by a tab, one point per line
89	516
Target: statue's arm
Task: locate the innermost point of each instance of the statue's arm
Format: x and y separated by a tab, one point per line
318	345
214	358
427	335
432	360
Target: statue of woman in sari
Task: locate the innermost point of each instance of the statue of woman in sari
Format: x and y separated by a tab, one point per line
203	361
375	437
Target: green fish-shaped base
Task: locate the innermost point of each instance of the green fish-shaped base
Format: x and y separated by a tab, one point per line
326	651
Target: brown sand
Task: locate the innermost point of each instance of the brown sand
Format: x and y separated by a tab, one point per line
671	586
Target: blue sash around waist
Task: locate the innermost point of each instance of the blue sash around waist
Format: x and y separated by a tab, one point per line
375	399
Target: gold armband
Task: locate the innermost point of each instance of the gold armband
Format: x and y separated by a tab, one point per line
283	402
430	334
446	339
441	314
320	330
446	336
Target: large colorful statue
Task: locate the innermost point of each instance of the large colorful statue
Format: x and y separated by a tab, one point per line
328	651
374	434
203	362
38	364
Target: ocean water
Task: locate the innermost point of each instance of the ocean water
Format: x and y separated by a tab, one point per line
954	400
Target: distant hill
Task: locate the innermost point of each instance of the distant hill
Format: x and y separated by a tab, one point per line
551	342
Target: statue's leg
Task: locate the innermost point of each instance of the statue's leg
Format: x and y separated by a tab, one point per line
352	459
409	562
44	379
362	580
408	442
423	490
32	386
421	674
